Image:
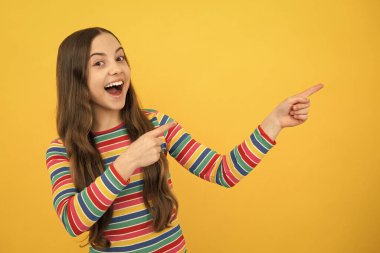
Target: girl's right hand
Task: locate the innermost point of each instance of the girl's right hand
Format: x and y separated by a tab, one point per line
142	152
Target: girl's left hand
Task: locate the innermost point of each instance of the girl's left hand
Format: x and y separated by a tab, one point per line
294	110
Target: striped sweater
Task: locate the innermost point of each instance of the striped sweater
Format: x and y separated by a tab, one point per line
130	229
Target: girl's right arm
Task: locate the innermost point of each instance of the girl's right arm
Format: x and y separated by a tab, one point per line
79	210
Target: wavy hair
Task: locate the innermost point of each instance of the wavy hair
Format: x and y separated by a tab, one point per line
74	124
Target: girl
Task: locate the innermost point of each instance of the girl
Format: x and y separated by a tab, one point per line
108	168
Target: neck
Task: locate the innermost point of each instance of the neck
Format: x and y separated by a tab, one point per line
104	120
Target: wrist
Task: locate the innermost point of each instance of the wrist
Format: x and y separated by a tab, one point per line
271	126
124	166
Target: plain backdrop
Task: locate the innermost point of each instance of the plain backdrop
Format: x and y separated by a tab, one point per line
218	68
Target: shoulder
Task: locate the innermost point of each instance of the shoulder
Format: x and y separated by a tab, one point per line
56	149
157	117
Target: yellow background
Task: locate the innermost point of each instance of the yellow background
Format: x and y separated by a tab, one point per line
218	68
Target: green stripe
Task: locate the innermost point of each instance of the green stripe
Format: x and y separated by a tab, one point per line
91	205
203	164
240	161
66	222
263	142
181	146
160	244
112	135
59	200
129	223
113	179
59	175
224	183
132	190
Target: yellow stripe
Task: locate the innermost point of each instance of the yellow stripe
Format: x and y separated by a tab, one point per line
215	169
145	237
58	165
103	189
128	210
233	170
87	222
113	152
253	149
194	156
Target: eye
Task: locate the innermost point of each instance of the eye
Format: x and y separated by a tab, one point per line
98	63
120	58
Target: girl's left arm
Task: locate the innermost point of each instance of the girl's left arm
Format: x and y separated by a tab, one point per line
228	170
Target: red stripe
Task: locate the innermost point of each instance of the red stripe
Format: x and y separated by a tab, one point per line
60	181
172	132
111	141
208	166
129	197
59	158
186	148
70	206
60	206
245	157
118	176
129	229
170	245
95	200
262	132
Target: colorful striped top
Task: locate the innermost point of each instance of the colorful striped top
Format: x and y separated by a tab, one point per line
130	229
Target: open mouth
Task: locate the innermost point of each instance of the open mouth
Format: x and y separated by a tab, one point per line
114	88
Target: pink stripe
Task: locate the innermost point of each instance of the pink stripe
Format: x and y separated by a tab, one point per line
177	248
99	195
173	133
227	171
62	183
131	235
55	161
190	153
207	176
113	146
73	213
129	203
253	158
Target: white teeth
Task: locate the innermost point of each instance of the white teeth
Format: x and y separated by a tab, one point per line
114	84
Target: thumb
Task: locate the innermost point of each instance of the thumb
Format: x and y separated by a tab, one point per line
298	99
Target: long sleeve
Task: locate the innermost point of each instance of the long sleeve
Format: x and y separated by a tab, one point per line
78	211
225	170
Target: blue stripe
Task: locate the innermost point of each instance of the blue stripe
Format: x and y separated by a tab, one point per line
57	171
175	146
147	243
109	185
130	216
164	120
258	144
134	184
70	192
86	210
236	165
218	173
56	149
199	160
110	159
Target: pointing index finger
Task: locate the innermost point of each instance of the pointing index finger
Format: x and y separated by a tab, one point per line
311	90
160	130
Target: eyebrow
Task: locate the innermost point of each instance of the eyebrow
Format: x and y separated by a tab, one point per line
103	54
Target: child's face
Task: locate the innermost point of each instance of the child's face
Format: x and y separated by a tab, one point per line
108	74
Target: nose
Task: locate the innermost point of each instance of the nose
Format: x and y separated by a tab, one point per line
114	69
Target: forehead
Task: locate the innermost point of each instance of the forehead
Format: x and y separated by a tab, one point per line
105	43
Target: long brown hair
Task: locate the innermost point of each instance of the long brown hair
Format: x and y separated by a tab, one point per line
74	124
